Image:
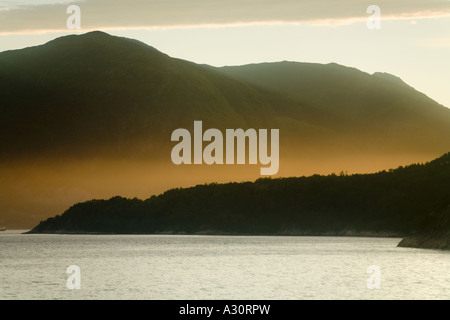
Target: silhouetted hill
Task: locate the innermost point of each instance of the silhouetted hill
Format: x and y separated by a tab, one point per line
380	109
435	230
96	94
393	203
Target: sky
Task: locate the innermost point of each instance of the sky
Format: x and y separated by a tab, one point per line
413	42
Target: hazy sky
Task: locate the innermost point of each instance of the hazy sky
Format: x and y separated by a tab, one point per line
413	42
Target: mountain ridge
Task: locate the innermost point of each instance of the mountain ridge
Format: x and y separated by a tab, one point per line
315	100
90	116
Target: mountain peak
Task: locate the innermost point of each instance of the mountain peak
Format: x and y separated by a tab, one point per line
93	35
96	39
389	77
97	33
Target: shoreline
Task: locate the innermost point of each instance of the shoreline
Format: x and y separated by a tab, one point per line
412	242
347	234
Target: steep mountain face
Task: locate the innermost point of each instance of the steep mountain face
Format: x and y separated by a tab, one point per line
96	93
379	109
91	116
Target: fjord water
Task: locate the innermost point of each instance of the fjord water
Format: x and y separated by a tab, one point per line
217	267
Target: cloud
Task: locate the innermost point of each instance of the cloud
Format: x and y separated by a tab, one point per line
130	14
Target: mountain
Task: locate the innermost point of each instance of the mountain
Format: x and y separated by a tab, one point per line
380	111
98	94
91	116
394	203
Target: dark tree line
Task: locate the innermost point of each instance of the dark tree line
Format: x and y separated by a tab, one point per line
397	202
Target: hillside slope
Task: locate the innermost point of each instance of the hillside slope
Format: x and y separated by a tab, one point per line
380	109
95	94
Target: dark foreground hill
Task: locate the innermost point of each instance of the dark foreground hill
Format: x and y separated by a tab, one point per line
395	203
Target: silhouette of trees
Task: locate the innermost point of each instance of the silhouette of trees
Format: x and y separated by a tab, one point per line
397	202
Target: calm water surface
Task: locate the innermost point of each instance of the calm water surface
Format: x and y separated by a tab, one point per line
204	267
